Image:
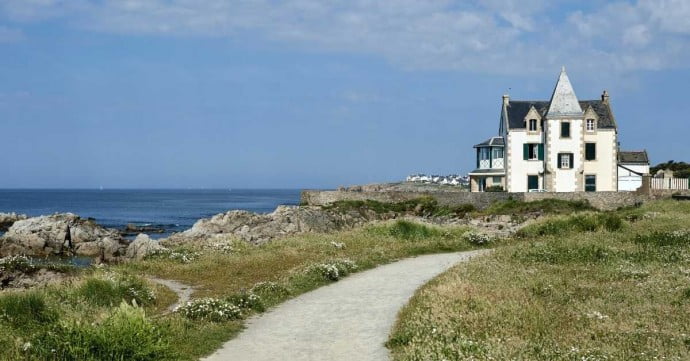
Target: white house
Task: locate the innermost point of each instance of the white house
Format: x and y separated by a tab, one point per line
631	167
560	145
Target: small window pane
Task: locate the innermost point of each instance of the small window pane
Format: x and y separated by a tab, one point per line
532	125
564	160
590	183
590	125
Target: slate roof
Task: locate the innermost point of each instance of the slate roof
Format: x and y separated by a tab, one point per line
633	157
518	109
491	142
495	171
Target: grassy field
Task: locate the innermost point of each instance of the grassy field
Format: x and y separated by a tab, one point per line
113	313
591	286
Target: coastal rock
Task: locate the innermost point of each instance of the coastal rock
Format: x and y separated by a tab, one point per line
285	220
8	219
142	246
47	235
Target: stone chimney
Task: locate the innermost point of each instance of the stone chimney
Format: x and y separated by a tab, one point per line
605	97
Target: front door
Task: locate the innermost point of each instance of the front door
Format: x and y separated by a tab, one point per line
532	182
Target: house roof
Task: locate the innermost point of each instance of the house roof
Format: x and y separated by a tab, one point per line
563	100
490	171
491	142
517	111
633	157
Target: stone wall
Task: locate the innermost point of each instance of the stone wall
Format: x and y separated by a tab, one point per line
601	200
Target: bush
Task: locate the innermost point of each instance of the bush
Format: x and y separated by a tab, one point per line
247	301
577	223
494	189
15	263
111	291
478	239
423	206
210	309
410	230
270	290
674	238
333	271
25	309
126	334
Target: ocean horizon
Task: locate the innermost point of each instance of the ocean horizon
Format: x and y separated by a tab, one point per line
165	210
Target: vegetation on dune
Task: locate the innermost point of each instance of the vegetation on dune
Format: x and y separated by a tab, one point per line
546	206
113	311
423	206
593	286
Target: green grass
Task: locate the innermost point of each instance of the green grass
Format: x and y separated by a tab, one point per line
89	310
423	206
545	206
586	289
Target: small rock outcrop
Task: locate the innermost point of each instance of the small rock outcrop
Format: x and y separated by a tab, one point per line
62	235
285	220
8	219
141	247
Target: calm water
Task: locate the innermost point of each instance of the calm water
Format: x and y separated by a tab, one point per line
174	210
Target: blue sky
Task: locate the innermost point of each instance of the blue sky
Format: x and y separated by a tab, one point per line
307	93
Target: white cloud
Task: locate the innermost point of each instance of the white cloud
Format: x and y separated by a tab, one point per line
506	36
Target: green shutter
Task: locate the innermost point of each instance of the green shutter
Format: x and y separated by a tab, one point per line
571	161
541	151
525	151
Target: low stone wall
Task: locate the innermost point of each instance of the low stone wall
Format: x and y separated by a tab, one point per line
601	200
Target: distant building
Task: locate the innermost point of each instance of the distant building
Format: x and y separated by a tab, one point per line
559	145
453	179
631	167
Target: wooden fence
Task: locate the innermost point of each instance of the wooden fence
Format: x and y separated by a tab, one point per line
670	183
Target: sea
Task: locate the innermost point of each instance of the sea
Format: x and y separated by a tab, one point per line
166	211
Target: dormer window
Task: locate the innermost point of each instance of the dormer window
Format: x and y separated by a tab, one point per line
590	125
532	125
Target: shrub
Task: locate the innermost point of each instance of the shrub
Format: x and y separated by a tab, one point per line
410	230
673	238
15	263
210	309
479	239
247	301
126	334
23	309
270	292
578	223
333	271
422	206
494	189
112	291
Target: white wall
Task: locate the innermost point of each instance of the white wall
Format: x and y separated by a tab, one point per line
628	181
518	167
565	180
604	167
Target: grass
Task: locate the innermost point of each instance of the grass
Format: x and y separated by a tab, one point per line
546	206
423	206
114	303
584	287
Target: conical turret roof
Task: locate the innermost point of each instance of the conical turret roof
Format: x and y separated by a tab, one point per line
563	101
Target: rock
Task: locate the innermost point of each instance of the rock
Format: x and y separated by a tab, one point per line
47	235
284	221
142	246
8	219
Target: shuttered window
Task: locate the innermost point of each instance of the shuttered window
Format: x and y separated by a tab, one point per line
533	151
590	183
590	151
565	130
565	160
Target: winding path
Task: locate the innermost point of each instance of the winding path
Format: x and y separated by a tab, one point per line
183	291
347	320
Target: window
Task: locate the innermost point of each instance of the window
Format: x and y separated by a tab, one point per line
565	130
533	151
590	151
532	182
498	153
532	125
565	160
484	153
590	125
590	183
496	180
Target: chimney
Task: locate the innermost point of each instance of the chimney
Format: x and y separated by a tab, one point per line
506	99
605	97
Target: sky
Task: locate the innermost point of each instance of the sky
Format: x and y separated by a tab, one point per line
314	93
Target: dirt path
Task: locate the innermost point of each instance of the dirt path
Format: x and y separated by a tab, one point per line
183	291
348	320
